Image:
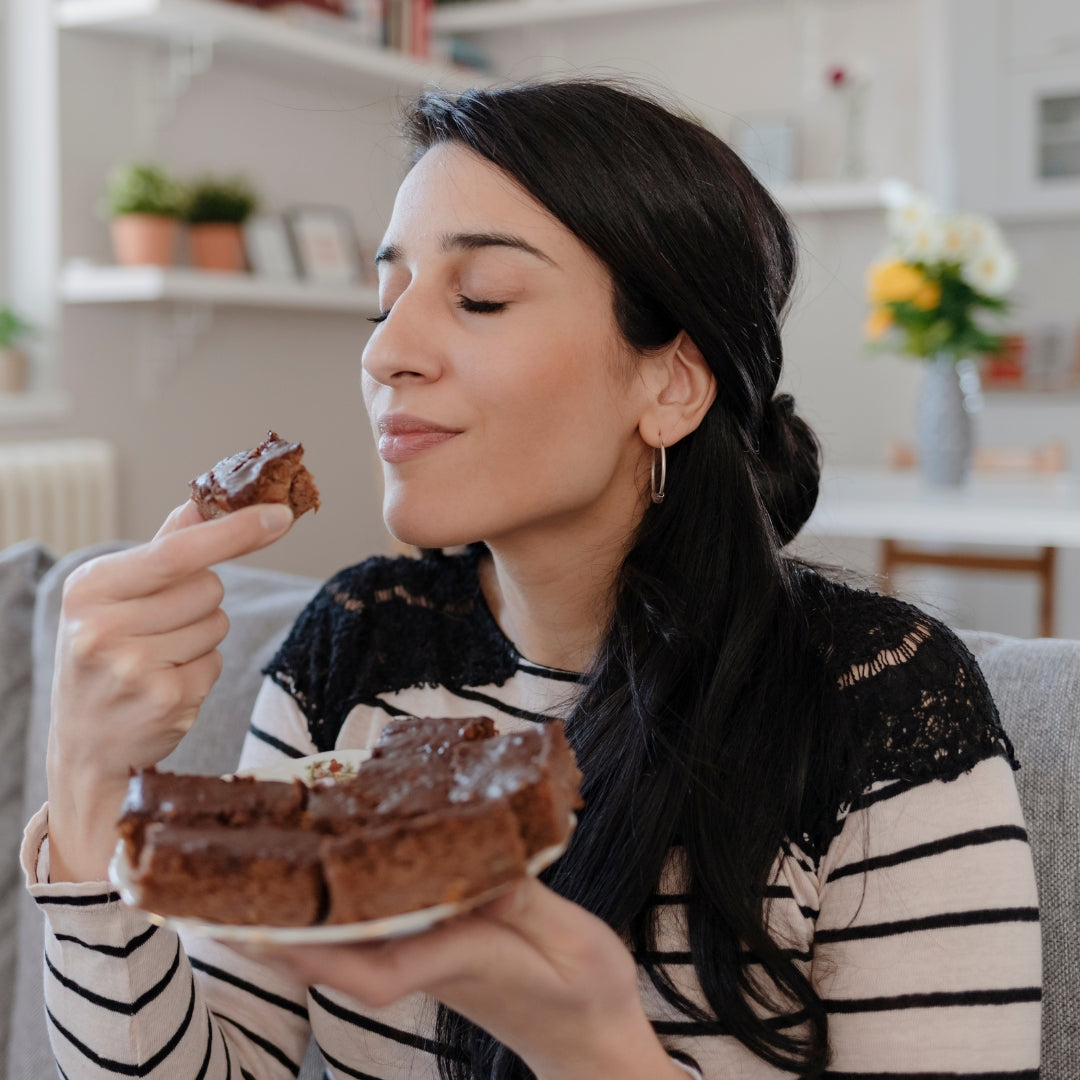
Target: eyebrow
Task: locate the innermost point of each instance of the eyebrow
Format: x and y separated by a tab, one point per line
390	253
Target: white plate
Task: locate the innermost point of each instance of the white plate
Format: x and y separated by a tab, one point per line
309	769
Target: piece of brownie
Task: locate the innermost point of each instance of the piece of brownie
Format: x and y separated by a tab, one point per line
272	472
383	788
534	770
254	876
430	734
236	802
438	858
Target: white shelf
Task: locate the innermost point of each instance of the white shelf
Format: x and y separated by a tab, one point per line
829	197
476	16
253	35
32	408
84	283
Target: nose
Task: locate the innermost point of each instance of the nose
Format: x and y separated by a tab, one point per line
404	347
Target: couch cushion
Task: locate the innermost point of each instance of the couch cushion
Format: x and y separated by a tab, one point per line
261	606
21	567
1036	685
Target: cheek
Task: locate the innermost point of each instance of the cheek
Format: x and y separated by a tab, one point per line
560	431
554	392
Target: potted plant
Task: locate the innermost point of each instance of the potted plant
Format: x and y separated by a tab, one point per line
13	364
940	274
145	205
215	214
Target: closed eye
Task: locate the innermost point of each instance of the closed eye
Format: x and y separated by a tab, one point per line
480	307
476	307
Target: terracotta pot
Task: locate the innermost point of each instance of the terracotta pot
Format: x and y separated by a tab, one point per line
14	371
144	239
217	247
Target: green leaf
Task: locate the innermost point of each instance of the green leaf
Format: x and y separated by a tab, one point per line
221	201
12	328
145	189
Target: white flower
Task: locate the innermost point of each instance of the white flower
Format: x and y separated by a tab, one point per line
923	243
992	269
916	229
907	214
965	236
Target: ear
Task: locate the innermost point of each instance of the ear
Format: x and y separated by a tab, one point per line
682	388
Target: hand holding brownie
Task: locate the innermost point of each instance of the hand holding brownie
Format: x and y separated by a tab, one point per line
540	973
136	657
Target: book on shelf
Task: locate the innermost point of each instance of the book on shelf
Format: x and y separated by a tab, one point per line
402	25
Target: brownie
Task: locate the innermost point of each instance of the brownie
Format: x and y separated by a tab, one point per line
259	875
437	858
430	734
447	810
383	788
154	796
272	472
534	770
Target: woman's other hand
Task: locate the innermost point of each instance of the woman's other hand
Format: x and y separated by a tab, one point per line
545	977
136	655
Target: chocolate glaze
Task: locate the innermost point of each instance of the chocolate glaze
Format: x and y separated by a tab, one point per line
430	735
159	796
271	472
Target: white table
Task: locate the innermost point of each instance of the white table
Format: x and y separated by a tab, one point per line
1007	510
857	501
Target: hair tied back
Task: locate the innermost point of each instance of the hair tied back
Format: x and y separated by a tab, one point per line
790	464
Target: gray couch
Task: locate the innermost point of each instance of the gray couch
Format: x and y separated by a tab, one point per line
1036	685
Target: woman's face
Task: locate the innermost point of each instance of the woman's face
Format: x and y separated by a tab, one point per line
503	399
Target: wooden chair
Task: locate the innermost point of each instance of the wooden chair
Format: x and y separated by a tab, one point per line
1042	460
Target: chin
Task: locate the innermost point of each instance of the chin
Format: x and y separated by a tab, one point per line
427	527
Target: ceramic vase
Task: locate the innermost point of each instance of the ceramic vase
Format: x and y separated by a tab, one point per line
218	247
14	371
948	403
144	239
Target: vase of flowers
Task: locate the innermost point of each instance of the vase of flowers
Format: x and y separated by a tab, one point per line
929	292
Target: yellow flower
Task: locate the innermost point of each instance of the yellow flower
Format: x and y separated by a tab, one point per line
928	297
893	281
878	324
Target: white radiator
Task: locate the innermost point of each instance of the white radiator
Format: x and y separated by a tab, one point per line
61	492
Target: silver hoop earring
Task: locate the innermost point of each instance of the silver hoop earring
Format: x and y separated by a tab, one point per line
658	489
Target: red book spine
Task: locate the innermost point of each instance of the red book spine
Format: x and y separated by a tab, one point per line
421	29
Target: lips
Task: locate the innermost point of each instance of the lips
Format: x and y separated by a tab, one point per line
402	438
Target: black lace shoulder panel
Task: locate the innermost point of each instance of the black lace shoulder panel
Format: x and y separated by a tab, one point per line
388	624
908	694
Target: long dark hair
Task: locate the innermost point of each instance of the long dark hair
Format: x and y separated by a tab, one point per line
698	726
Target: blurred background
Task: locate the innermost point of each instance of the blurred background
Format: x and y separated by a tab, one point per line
259	141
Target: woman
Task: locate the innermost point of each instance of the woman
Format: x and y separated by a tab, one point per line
801	851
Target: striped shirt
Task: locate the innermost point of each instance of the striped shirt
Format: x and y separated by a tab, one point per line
915	918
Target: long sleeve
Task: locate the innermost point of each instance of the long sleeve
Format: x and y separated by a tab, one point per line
927	949
127	998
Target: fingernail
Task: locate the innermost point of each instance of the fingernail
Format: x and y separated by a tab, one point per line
275	517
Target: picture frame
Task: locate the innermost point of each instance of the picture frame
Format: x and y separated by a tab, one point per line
269	248
325	244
